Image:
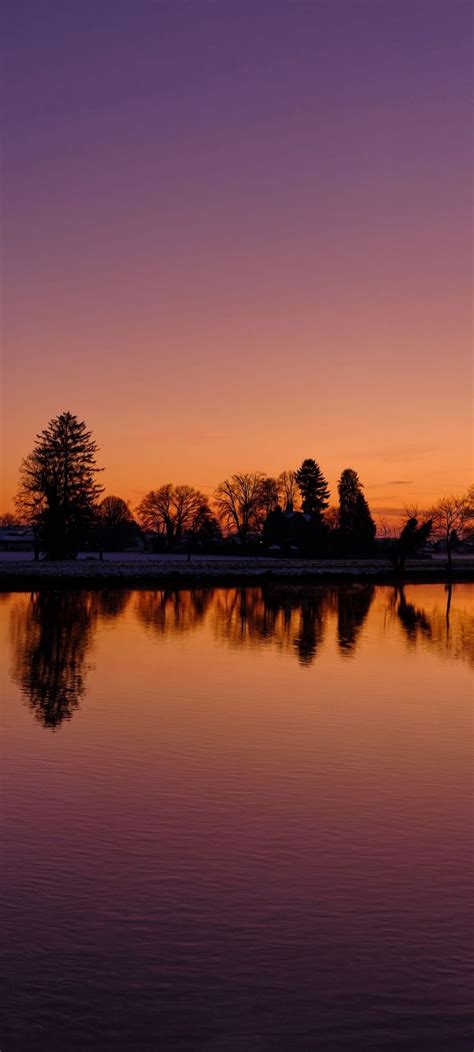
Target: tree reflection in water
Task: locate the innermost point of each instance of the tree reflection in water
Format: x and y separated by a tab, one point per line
414	621
293	618
51	637
52	633
173	611
353	605
448	629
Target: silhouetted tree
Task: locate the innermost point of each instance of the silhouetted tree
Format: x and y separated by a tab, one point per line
187	504
288	488
270	495
116	527
313	488
385	531
453	521
58	491
171	511
353	605
240	504
206	529
114	511
411	538
155	511
331	518
356	526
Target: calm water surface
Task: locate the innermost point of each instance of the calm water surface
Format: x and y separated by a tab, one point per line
237	819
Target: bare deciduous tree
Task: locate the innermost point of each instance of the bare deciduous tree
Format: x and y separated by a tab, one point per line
114	511
288	489
187	504
384	530
116	528
171	511
331	517
453	520
270	495
240	504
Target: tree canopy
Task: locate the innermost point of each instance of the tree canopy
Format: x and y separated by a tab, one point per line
356	526
453	520
240	502
171	511
313	488
58	492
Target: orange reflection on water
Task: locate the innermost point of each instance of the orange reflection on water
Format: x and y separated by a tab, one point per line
52	634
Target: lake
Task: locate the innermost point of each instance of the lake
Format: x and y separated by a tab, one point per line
237	819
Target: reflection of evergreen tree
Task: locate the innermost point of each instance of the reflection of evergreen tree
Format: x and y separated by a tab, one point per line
353	605
51	636
293	618
313	616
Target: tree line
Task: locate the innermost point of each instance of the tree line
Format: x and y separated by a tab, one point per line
60	497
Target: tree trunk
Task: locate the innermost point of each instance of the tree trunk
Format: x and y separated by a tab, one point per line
169	536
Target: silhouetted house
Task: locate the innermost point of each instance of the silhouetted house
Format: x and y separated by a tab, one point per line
293	531
16	539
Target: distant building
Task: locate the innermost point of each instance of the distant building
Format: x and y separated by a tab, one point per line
292	531
16	539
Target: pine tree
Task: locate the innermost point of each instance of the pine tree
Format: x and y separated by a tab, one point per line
58	492
313	488
356	526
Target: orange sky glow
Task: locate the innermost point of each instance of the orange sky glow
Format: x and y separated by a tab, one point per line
226	255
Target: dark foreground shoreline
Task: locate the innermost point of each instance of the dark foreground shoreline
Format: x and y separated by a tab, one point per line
201	572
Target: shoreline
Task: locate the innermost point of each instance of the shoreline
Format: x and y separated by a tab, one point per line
24	575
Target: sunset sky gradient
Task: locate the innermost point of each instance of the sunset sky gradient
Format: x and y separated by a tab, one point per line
238	234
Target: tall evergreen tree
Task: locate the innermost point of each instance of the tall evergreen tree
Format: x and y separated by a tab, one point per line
313	488
58	491
356	526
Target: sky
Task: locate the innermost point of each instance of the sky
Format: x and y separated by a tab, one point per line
239	234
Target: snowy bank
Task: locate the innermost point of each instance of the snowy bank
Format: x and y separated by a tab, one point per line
125	569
